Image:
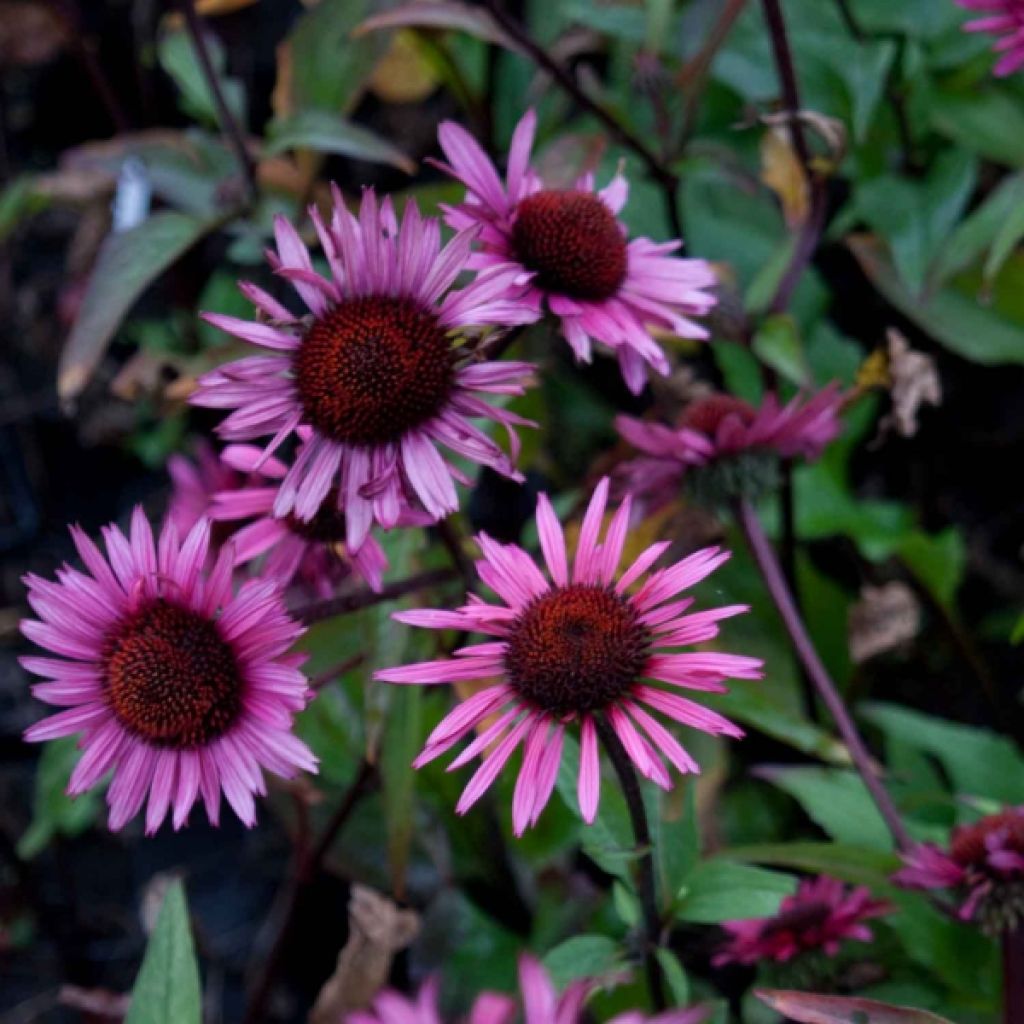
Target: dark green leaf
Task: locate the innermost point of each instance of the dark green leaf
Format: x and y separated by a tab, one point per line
583	956
128	262
987	122
178	58
167	990
777	344
53	811
813	1008
858	865
675	975
328	133
720	890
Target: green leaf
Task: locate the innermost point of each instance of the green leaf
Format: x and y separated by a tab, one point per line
720	890
777	344
988	122
627	906
178	58
167	990
978	762
950	317
18	201
937	560
402	741
128	263
53	811
583	956
813	1008
675	834
859	865
675	975
329	67
838	801
913	216
329	133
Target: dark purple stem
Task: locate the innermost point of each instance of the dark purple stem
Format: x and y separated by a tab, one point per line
775	581
228	124
366	598
1013	975
787	79
645	864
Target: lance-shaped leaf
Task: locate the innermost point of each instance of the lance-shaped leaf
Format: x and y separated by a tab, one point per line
811	1008
167	988
127	264
472	19
327	133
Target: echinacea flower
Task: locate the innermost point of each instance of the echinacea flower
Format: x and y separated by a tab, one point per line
570	246
1004	18
734	445
984	864
194	483
313	551
178	685
541	1004
374	372
579	646
821	915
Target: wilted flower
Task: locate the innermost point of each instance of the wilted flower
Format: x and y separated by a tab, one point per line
574	648
984	863
313	551
374	373
541	1004
570	247
734	445
819	916
181	687
1005	18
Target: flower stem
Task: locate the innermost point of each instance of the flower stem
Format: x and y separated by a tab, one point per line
645	866
768	564
228	124
365	598
1013	974
661	172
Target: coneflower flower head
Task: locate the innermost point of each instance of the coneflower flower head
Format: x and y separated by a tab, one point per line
984	865
585	641
179	686
374	373
573	252
723	448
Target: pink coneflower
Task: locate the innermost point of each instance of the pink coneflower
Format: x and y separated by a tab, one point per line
725	432
541	1004
573	250
181	687
195	483
374	373
1006	20
821	915
312	551
575	648
985	863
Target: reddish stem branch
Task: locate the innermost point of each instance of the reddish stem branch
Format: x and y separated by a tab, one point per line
661	173
367	598
768	564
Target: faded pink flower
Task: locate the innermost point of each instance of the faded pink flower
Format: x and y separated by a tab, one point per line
314	552
194	483
572	648
821	915
374	373
720	429
180	687
1005	18
573	251
984	863
541	1004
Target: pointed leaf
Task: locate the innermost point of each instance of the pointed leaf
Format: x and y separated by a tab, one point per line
812	1008
167	988
328	133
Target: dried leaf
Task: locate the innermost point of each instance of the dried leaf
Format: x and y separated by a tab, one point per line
914	381
811	1008
403	75
94	1002
883	619
783	173
30	33
378	929
443	14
